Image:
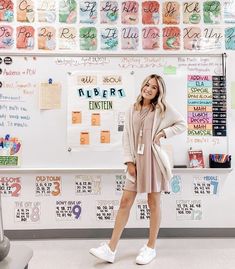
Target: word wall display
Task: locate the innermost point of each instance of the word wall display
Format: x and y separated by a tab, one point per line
116	26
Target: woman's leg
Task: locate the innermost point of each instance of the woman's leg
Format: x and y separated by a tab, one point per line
127	200
155	217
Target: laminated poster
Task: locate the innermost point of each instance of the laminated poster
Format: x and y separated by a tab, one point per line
67	11
109	12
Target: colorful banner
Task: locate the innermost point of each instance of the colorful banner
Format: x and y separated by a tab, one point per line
115	26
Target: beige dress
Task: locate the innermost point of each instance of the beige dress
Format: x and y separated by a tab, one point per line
149	177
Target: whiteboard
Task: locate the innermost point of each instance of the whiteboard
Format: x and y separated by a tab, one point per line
43	133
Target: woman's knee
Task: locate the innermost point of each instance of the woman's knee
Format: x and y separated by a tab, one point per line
126	203
153	202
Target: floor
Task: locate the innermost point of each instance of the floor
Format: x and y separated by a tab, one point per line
177	253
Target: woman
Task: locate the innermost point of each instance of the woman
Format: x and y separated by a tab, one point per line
146	122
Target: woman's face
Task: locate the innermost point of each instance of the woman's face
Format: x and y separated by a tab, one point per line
150	89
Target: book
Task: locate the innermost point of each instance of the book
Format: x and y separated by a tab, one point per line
196	159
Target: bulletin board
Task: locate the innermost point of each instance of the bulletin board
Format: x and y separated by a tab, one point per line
195	87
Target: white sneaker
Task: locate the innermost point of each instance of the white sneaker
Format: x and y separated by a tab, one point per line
146	255
103	252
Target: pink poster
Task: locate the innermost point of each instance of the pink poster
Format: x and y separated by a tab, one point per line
192	38
6	37
150	38
130	12
171	38
171	12
150	12
25	37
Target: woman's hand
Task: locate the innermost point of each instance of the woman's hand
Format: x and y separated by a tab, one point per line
131	169
158	137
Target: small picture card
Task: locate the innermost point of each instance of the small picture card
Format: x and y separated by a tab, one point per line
109	12
212	12
150	38
150	12
84	138
105	137
230	38
171	12
6	37
109	38
25	11
6	10
46	38
192	38
25	37
191	12
47	11
171	38
95	119
67	38
76	117
68	11
88	38
130	38
88	11
130	12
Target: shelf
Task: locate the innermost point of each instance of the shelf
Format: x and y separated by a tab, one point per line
109	170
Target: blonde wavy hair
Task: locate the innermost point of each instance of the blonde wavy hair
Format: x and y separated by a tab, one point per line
159	100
